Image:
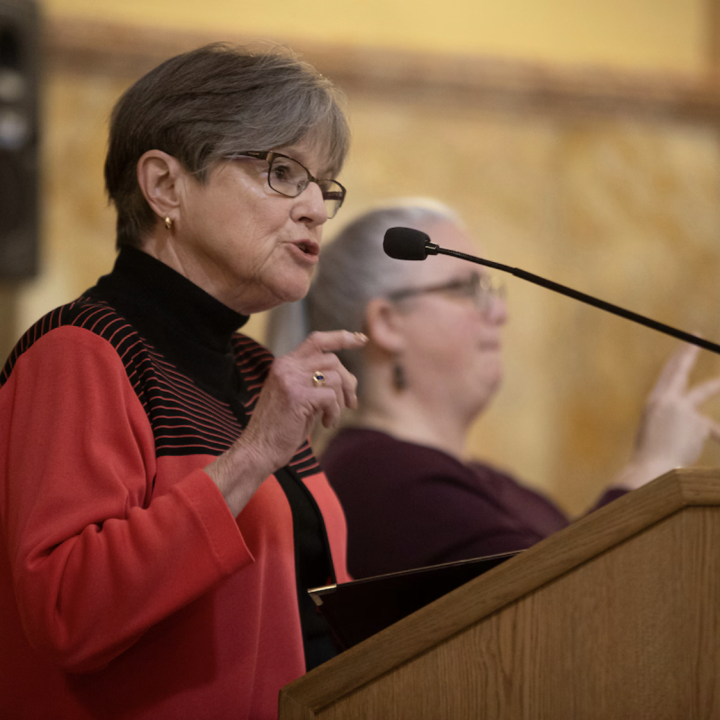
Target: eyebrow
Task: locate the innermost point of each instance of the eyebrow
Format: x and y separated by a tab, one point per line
325	173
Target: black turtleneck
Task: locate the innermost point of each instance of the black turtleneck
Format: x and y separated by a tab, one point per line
195	332
190	327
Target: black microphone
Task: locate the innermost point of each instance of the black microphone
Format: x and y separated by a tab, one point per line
408	244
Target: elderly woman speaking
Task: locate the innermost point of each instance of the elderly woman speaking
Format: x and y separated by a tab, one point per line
162	512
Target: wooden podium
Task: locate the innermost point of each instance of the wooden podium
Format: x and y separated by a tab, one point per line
617	616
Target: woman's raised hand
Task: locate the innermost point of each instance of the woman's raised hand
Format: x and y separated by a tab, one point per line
303	386
672	431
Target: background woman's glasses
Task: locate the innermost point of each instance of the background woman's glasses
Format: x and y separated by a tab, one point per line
482	289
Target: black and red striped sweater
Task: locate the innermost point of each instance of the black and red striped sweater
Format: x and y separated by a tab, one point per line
127	589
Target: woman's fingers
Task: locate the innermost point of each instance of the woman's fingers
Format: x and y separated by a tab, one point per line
703	391
301	387
334	390
307	384
344	384
673	429
329	342
676	372
319	348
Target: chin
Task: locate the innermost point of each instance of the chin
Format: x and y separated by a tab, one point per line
269	300
291	292
489	372
297	292
488	387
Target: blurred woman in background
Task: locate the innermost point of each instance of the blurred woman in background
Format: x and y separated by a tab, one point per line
432	365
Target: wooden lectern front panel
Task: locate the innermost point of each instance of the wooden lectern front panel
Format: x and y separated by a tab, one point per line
632	633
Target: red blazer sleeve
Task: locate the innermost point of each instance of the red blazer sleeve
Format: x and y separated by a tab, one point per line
96	557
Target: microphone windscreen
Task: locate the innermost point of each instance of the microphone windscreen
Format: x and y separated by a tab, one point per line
404	243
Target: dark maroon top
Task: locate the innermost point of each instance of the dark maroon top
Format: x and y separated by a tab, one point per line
410	505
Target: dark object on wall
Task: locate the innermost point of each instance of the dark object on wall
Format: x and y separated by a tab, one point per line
19	173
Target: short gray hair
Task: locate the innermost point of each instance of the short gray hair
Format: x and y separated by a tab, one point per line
210	102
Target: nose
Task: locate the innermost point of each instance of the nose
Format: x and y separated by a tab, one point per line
497	311
309	206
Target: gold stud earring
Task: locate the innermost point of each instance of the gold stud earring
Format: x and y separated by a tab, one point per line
168	223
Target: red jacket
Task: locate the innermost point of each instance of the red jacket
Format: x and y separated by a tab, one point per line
127	588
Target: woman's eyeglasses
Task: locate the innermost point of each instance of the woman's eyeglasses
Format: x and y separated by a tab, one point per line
482	289
288	177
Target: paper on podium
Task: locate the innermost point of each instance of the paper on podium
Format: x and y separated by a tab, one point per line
358	609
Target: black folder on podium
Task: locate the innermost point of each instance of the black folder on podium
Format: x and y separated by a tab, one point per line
358	609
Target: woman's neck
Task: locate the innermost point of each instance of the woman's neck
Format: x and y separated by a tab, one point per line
404	417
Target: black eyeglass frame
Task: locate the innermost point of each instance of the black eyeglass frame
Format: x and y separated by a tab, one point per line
270	156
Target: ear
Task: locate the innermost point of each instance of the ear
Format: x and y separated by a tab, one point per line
159	176
383	325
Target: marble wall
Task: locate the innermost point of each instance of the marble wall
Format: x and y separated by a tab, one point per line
622	205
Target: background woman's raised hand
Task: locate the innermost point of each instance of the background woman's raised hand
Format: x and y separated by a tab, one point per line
672	430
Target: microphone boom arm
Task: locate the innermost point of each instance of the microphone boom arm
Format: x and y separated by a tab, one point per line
433	249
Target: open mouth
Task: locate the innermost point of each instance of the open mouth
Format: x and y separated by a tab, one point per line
308	247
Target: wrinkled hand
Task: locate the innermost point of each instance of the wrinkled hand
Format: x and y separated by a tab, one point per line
290	402
288	407
673	431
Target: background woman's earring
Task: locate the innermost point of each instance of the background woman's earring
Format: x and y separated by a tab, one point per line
398	377
168	223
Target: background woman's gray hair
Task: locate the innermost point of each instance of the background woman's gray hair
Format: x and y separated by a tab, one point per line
353	269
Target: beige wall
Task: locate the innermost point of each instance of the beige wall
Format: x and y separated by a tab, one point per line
605	181
669	34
